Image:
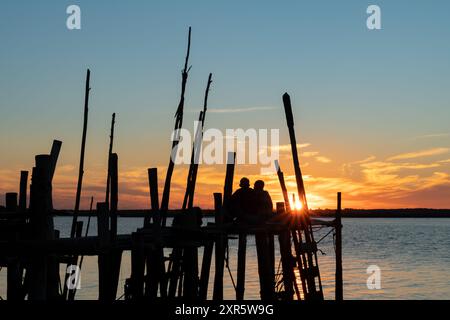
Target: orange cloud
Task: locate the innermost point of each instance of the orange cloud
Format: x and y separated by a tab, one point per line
419	154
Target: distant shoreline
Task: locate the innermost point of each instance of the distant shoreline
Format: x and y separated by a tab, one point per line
324	213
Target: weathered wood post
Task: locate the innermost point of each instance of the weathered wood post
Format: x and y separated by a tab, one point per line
314	291
338	226
104	240
11	201
115	255
114	195
23	191
242	253
137	266
54	154
220	249
78	234
153	186
155	259
287	260
222	240
14	280
111	140
205	271
41	223
266	278
83	147
178	125
103	225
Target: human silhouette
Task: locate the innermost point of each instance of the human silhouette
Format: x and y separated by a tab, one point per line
243	204
264	205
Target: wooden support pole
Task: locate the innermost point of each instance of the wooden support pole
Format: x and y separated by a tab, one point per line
206	266
242	253
192	177
14	280
11	201
228	188
266	277
307	228
153	185
137	267
111	139
178	125
219	251
83	147
287	260
300	257
54	154
155	260
190	273
338	225
104	260
114	195
78	234
23	191
222	240
103	225
42	227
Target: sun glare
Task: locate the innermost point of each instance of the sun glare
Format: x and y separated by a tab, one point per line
298	205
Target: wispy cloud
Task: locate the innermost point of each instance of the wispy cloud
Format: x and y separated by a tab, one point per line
239	110
308	154
434	135
419	154
322	159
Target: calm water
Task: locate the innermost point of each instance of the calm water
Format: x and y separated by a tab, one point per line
413	255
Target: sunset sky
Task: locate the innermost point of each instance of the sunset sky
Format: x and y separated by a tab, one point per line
371	108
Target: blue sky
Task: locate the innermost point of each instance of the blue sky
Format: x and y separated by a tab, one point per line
357	92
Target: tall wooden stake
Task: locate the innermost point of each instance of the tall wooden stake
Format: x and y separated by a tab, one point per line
193	169
111	139
302	196
338	226
178	125
83	146
114	194
23	191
